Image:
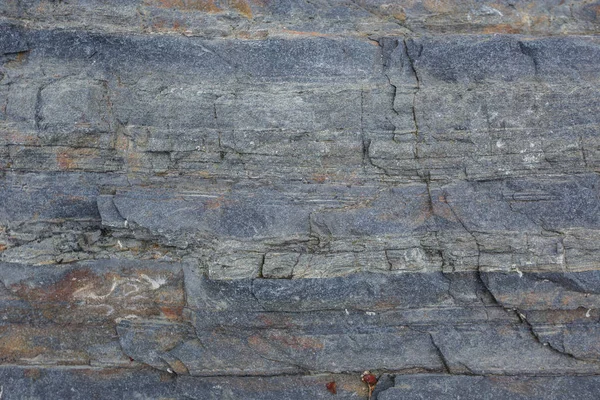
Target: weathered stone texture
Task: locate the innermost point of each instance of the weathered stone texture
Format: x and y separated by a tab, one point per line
251	199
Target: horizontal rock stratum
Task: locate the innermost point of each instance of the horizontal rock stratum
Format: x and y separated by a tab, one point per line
252	199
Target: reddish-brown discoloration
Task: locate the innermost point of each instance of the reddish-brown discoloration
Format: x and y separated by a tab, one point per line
32	373
17	137
82	294
19	59
242	7
65	160
502	28
439	6
15	344
61	291
70	159
320	178
213	204
304	33
331	387
296	342
208	6
50	343
172	313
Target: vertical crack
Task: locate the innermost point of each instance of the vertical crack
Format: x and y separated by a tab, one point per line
464	226
38	118
582	150
261	266
523	318
440	354
386	52
365	142
411	62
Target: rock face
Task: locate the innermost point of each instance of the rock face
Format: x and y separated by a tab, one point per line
251	200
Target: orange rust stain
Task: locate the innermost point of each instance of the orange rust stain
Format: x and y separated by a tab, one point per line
19	59
385	305
32	373
320	178
242	7
394	10
208	6
439	6
304	33
400	16
203	5
215	203
255	341
15	345
541	20
74	158
2	247
502	28
204	174
172	313
64	160
244	35
60	291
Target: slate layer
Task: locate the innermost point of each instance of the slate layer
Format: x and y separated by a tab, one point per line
256	212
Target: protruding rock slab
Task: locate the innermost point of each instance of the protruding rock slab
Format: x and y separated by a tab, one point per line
173	318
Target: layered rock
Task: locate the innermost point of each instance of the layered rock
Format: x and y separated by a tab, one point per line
267	198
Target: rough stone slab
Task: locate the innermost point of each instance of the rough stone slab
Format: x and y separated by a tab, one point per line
412	387
556	291
467	59
327	58
298	18
169	316
99	291
83	383
90	298
36	383
308	324
497	349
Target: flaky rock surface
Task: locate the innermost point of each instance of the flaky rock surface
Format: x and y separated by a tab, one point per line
253	199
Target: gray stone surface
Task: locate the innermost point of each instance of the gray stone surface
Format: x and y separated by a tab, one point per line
249	199
479	387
